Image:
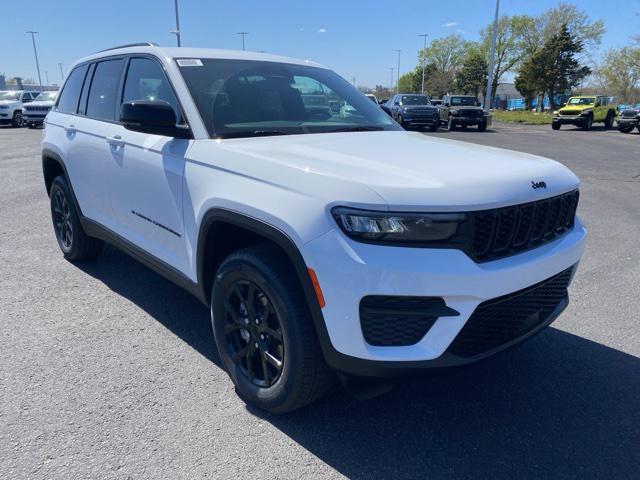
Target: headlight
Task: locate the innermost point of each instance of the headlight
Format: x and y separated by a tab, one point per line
453	112
556	112
386	227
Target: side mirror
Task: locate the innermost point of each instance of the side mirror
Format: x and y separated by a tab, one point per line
396	103
156	117
478	104
447	104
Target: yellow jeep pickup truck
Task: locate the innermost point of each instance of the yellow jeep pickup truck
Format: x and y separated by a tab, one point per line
584	111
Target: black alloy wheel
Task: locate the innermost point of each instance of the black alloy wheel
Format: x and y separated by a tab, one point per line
253	333
17	120
62	220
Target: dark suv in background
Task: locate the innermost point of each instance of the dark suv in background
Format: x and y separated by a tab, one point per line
462	110
412	111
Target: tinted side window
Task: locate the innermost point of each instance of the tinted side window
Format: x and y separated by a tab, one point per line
104	89
146	81
68	100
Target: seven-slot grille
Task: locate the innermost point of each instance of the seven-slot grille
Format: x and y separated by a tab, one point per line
504	231
630	113
497	322
36	108
470	112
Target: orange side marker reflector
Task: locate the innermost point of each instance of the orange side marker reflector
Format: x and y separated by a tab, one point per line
316	287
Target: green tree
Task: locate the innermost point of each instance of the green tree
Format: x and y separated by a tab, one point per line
555	68
527	82
619	73
577	22
444	57
509	45
472	77
411	82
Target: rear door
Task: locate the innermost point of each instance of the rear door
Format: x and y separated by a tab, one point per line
90	130
147	171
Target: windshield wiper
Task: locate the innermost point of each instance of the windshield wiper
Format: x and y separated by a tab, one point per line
253	133
358	128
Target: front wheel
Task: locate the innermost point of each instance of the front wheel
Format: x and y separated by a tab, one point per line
401	121
450	124
625	128
482	126
556	125
264	333
17	120
588	123
72	240
433	127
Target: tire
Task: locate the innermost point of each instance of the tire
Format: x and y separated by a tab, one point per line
286	333
556	125
608	123
401	121
588	124
433	127
450	124
625	129
72	240
482	127
16	120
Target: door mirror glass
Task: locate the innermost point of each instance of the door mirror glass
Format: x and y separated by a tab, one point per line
151	116
396	103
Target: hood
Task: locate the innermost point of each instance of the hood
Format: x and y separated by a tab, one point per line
9	102
576	107
408	170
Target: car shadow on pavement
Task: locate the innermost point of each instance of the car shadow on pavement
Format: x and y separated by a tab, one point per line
558	406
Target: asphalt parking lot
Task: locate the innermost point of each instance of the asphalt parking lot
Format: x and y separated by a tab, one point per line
109	371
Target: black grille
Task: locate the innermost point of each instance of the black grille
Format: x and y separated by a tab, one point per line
470	112
629	113
497	322
34	108
505	231
393	321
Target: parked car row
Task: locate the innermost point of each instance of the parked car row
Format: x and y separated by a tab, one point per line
23	107
583	111
419	111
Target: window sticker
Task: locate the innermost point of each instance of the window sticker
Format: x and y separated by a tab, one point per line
189	62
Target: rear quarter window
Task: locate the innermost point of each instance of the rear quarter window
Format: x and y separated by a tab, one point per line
70	95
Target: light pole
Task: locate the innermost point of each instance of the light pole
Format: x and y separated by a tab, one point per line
35	52
61	74
398	72
176	32
423	58
46	76
391	82
243	35
492	50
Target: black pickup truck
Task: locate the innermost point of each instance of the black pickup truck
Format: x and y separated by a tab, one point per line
629	119
462	110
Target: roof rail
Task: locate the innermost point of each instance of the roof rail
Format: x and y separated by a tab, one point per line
141	44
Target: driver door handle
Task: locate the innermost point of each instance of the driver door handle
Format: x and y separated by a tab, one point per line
70	128
116	141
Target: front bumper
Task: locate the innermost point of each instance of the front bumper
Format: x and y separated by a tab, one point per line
628	122
348	271
420	121
578	120
468	121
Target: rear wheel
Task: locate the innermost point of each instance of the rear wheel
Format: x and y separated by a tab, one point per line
264	333
72	240
608	123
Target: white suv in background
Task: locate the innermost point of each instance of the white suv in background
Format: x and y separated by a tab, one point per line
11	103
34	113
322	242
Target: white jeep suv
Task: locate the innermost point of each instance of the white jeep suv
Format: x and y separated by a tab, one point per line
322	242
11	103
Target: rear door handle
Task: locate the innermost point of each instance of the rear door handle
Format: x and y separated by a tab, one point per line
116	141
70	128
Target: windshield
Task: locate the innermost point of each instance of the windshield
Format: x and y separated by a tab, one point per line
248	98
414	100
581	101
466	101
46	97
9	95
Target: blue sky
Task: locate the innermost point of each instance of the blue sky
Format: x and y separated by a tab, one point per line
355	38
